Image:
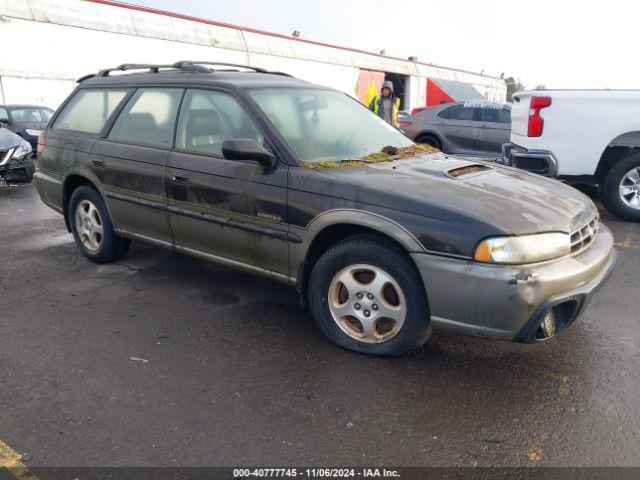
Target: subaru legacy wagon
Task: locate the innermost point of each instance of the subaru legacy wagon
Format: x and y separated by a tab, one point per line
384	240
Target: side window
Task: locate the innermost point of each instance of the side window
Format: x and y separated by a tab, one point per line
4	115
458	112
149	118
495	115
89	110
208	118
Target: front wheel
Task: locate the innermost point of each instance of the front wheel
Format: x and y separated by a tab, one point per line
620	189
92	227
368	297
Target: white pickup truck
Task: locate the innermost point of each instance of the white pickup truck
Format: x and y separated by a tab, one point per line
581	136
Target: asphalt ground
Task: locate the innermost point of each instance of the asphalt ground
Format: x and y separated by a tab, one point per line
164	360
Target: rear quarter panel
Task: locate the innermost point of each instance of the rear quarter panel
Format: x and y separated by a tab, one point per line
578	126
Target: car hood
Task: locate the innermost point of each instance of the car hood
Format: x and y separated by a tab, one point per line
8	139
511	201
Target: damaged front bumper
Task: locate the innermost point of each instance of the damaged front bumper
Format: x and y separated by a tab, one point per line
515	302
17	171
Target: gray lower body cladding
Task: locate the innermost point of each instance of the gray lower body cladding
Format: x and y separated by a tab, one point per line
503	302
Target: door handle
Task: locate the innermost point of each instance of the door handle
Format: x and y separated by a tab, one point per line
179	178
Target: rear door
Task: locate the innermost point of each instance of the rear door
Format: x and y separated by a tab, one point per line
235	210
459	128
131	162
495	128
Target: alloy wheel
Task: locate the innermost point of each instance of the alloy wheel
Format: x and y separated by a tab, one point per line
630	188
89	225
367	303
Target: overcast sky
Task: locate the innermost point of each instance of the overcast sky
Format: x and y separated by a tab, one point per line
557	43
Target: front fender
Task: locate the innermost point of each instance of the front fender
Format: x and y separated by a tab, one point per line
298	252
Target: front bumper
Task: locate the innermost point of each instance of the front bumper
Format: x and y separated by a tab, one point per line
509	302
17	171
541	162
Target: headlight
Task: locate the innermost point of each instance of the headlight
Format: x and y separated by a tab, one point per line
32	132
523	249
22	150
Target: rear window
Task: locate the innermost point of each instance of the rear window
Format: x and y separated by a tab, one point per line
149	117
89	110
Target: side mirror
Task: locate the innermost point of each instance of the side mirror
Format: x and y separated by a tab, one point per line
248	149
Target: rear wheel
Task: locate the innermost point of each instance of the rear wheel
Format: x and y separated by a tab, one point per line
368	297
92	227
620	188
431	140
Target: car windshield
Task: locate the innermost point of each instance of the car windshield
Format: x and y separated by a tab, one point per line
325	125
31	114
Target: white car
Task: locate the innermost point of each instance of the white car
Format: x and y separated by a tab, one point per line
581	136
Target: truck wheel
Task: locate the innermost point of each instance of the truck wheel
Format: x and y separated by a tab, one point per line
368	297
620	189
92	227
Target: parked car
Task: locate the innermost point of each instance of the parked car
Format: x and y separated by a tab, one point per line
468	128
385	240
16	164
582	136
26	120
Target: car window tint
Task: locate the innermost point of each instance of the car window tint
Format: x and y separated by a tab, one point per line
495	115
208	118
458	112
4	115
149	118
89	110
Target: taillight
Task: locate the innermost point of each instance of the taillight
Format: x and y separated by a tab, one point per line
403	123
536	123
42	138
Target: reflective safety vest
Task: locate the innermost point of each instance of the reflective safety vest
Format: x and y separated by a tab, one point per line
395	108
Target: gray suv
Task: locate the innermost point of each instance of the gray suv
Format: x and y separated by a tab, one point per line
469	128
385	240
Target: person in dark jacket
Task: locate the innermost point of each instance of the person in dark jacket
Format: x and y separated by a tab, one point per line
387	105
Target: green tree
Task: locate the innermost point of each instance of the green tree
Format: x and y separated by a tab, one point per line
513	86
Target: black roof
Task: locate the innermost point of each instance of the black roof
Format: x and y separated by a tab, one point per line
191	73
238	79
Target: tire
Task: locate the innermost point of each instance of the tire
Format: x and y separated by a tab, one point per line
363	256
94	237
624	207
430	140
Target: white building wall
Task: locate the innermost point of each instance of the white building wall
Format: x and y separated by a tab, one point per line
76	37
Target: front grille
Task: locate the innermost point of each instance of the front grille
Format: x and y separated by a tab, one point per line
582	238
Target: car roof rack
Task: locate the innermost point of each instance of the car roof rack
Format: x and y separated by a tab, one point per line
191	63
185	65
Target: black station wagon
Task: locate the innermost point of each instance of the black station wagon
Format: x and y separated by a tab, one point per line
385	240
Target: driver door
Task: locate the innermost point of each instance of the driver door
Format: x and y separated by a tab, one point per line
234	210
